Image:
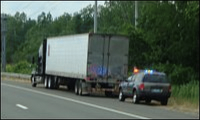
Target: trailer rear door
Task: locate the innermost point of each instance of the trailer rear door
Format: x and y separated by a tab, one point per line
107	56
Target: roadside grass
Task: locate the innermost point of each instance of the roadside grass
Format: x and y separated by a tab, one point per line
185	97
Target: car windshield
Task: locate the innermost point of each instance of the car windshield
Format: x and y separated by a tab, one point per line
155	78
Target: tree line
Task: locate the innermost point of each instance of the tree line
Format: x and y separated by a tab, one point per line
166	37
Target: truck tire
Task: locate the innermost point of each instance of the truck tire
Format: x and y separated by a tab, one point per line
46	82
121	95
56	85
76	89
135	97
50	83
108	94
33	81
80	88
71	86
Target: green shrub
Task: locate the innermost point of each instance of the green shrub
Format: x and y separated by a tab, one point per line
21	67
182	75
9	68
177	74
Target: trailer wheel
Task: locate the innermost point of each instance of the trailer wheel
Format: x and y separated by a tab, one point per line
76	87
108	94
33	81
80	88
50	83
46	82
55	81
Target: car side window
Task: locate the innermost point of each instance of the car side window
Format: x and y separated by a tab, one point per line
129	79
138	77
133	78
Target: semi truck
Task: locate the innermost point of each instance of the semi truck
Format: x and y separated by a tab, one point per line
85	63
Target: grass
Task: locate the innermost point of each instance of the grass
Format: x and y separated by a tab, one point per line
185	96
188	92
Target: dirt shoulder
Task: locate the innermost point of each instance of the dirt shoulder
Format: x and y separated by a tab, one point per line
183	106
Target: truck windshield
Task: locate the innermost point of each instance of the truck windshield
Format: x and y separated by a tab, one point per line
155	78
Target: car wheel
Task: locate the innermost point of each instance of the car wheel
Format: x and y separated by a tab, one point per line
33	81
121	96
164	101
135	97
46	82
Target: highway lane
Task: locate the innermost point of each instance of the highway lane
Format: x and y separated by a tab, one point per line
45	103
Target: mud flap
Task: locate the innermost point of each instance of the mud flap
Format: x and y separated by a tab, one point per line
86	88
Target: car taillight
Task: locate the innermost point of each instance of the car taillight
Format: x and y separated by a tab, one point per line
141	87
169	89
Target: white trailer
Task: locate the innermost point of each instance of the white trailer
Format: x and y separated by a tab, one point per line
85	63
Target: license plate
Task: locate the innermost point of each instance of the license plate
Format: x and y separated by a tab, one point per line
156	90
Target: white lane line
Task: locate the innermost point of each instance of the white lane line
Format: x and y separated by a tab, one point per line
21	106
77	101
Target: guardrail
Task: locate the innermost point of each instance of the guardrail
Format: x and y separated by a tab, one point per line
15	75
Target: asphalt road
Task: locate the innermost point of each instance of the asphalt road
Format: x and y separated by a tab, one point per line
19	100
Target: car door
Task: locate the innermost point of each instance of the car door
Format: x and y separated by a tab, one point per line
130	85
125	84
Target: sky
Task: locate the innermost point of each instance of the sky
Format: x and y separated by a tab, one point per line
34	8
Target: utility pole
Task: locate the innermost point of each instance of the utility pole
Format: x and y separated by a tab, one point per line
95	17
136	12
3	42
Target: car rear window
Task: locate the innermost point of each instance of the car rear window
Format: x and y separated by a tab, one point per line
155	78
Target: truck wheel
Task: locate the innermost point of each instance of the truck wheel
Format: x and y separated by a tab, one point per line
80	88
121	96
135	97
46	82
55	81
33	81
50	83
76	87
108	94
57	84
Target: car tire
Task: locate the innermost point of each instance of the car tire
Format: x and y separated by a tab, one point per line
164	101
121	95
135	97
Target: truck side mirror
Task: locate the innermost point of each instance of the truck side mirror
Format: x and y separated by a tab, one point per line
33	60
